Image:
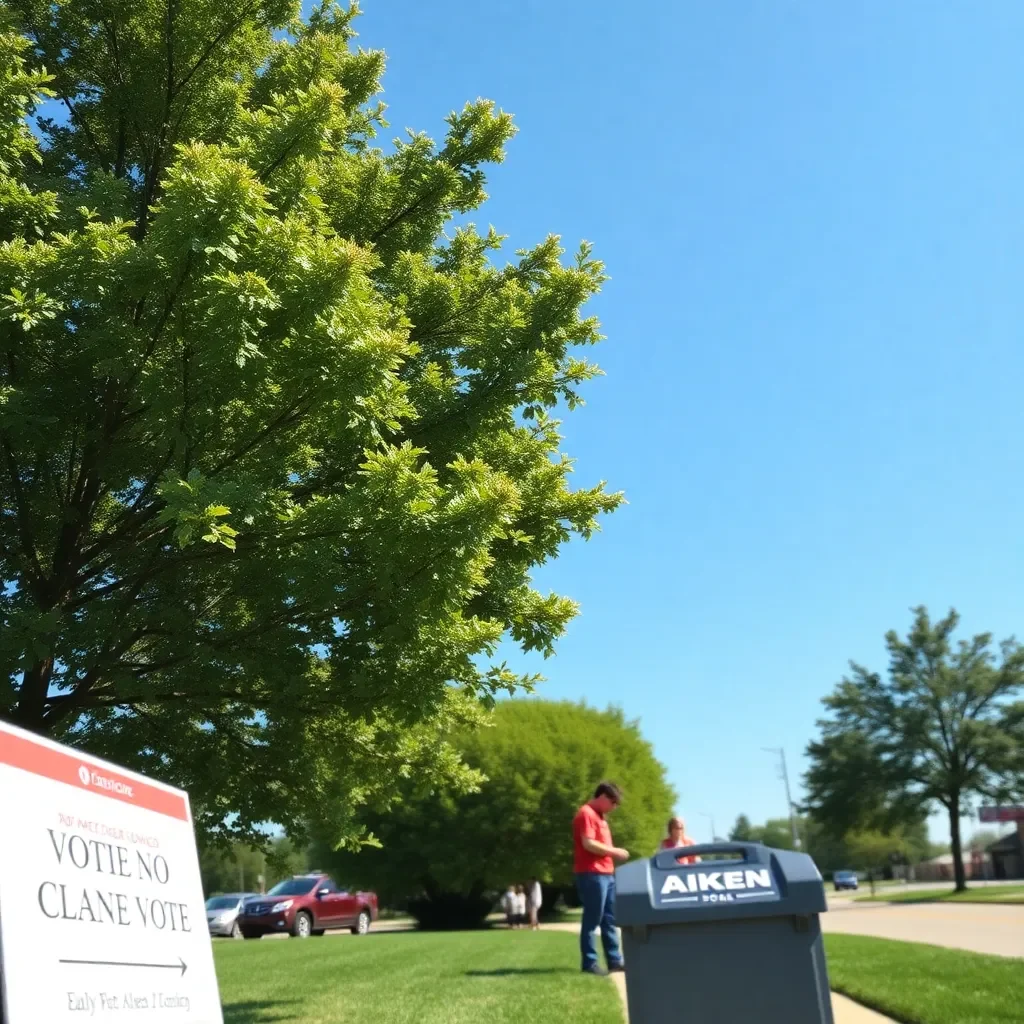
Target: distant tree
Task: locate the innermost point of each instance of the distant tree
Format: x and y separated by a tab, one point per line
870	851
877	851
943	726
238	867
742	831
541	760
982	839
285	858
832	852
828	852
776	833
277	446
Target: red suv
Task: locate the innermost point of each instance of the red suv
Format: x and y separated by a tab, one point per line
307	905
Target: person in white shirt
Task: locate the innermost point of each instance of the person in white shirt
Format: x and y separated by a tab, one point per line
508	904
534	899
520	897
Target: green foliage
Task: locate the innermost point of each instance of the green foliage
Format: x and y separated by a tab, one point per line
873	850
878	850
743	831
860	849
946	725
982	839
277	454
239	868
541	761
775	832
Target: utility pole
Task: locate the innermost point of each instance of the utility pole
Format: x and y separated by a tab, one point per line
789	799
710	817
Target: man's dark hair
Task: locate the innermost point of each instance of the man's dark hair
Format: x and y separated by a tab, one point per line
610	790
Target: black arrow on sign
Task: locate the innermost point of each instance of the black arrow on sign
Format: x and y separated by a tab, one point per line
179	966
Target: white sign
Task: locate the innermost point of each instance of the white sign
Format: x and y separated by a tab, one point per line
102	916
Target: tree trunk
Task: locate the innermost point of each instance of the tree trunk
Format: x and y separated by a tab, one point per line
35	686
956	844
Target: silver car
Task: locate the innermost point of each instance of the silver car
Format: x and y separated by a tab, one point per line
222	913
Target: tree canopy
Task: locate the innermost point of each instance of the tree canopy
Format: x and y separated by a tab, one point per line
541	760
277	446
944	726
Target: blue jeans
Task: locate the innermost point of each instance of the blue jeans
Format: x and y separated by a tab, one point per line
597	894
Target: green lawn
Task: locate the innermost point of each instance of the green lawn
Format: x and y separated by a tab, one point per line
563	915
920	984
977	894
413	978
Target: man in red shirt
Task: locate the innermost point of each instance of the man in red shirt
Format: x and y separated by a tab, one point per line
594	866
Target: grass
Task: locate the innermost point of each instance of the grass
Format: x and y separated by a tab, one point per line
986	894
919	984
563	915
413	978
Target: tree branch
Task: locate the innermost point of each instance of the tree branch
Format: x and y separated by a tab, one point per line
34	571
286	417
211	47
64	97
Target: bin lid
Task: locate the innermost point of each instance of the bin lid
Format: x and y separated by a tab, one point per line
732	881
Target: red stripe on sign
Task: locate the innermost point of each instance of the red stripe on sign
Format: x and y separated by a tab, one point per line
83	774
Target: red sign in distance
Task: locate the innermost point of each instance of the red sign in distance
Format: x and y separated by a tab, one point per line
1001	814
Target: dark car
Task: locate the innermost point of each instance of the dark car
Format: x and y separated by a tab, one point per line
845	880
307	905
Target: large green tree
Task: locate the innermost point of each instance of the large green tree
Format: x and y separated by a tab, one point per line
540	761
277	454
945	725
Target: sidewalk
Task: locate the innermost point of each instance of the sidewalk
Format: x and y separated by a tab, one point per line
845	1011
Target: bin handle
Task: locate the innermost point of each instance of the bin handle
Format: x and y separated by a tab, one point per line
753	853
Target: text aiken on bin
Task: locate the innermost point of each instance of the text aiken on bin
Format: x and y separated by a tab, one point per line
718	881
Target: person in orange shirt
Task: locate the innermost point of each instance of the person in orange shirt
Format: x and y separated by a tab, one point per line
594	859
677	837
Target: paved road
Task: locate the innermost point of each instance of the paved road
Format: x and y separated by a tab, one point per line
981	927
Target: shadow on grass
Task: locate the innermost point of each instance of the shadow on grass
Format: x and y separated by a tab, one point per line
512	972
265	1011
913	902
881	901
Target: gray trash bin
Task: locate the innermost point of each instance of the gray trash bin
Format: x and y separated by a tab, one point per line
734	939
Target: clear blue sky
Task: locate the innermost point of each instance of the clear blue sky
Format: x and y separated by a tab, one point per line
812	218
